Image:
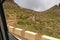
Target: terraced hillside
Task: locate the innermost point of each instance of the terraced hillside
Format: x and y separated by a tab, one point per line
47	22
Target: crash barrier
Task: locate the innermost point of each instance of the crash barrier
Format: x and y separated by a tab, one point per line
28	34
11	29
19	32
49	38
31	35
22	33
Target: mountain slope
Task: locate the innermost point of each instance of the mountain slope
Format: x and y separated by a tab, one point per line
47	22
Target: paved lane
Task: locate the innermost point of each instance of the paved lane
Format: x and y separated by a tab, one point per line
11	37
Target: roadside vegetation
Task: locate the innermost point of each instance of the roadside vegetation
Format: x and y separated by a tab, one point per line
47	22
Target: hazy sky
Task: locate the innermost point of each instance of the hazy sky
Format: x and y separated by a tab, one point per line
37	5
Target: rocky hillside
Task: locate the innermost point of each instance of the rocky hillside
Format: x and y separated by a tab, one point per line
47	22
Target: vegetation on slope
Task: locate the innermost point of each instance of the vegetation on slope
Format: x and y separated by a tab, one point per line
42	22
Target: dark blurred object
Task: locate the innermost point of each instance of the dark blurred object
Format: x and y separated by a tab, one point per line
3	25
59	4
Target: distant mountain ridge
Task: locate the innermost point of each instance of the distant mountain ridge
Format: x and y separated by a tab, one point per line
9	0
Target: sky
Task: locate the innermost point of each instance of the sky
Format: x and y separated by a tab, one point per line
37	5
